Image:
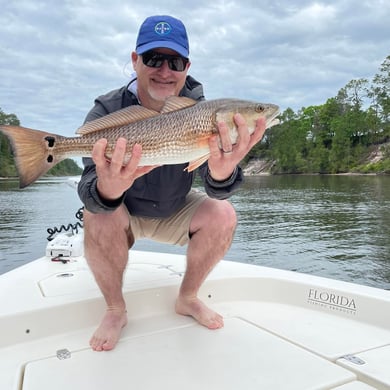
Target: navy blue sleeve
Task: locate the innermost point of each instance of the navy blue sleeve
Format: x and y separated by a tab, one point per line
221	189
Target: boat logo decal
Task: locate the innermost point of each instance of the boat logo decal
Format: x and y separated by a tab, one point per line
332	301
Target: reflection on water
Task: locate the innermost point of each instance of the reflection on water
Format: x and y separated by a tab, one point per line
333	226
27	213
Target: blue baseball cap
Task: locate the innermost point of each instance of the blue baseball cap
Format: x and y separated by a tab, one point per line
162	31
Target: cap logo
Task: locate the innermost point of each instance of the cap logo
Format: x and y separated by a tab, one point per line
162	28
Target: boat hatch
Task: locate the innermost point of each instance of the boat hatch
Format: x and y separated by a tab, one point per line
238	356
80	280
370	365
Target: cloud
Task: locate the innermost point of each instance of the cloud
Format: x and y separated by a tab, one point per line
56	57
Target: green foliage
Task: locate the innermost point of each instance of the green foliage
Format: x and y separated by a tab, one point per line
67	167
7	164
335	137
382	167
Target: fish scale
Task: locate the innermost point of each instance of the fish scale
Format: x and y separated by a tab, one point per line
179	134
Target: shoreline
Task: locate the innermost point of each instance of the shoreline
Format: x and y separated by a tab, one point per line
252	174
316	174
257	167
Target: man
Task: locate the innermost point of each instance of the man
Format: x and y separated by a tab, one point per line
124	203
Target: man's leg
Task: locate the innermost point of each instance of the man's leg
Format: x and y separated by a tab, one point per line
212	228
107	242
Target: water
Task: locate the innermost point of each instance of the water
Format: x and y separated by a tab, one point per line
332	226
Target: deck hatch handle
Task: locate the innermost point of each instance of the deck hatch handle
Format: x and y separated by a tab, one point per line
63	354
354	359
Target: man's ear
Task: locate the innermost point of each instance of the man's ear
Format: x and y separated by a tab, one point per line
134	58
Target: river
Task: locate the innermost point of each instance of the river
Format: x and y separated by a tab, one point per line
331	226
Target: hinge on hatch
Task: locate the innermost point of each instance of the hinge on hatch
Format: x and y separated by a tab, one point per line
353	359
63	354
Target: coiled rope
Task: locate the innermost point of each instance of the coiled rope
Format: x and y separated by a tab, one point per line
71	227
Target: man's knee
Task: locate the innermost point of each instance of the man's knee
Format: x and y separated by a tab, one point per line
108	226
223	215
228	214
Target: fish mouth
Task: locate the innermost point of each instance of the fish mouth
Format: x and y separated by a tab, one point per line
275	114
273	120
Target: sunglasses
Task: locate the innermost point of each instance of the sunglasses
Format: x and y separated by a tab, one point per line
155	60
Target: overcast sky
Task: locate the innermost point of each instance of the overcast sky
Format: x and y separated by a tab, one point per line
57	56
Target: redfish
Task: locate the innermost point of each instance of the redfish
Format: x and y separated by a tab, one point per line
178	134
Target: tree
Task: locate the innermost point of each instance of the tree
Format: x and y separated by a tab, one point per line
7	165
355	93
288	144
379	92
8	119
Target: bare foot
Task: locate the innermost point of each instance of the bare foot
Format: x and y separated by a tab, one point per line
195	308
107	334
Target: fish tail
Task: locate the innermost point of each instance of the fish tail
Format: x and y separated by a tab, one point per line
34	152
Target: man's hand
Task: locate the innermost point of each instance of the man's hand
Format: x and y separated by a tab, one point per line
222	162
114	178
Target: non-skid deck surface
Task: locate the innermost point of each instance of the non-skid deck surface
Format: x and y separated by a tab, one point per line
283	330
239	356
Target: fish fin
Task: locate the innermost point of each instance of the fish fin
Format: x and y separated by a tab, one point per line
34	152
175	103
134	114
118	118
197	163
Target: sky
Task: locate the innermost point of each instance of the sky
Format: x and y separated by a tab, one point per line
56	57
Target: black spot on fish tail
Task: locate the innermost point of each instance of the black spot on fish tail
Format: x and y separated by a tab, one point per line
51	141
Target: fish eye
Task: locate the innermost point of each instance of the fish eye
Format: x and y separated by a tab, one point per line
259	108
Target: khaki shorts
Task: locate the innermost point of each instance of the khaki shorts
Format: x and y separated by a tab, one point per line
172	230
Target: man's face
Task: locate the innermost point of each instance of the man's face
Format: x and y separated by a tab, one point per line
156	84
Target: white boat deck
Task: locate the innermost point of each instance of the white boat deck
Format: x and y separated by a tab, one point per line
283	330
